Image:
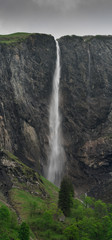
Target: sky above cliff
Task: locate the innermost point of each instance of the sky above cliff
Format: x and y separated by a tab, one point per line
56	17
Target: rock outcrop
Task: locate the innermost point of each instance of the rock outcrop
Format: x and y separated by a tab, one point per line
16	175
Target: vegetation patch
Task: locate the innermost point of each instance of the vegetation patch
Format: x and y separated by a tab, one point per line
89	219
23	202
14	38
9	227
51	189
39	210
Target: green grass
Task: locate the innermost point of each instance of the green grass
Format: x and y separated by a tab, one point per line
13	38
34	199
51	189
38	212
90	218
38	207
23	202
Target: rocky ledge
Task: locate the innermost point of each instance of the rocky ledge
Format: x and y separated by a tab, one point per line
15	174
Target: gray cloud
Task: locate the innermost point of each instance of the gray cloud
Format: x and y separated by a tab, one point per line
60	5
58	17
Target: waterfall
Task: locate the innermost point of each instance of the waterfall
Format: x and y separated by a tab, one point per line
56	155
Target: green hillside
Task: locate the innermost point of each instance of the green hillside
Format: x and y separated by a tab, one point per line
29	208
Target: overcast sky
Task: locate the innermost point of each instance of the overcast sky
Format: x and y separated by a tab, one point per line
56	17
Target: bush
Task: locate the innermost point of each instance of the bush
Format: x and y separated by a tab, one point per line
72	232
4	216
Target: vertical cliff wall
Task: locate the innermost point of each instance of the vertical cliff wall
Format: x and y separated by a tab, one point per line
86	106
27	65
26	71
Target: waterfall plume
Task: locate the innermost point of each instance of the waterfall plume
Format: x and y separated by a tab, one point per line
56	156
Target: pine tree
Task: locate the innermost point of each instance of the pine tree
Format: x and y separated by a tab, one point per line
66	194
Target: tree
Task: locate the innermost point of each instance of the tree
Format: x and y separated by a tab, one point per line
66	194
24	232
100	209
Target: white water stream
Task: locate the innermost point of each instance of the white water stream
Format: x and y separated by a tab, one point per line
56	155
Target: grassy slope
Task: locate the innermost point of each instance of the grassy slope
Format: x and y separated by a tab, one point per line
14	37
23	200
31	195
36	204
32	209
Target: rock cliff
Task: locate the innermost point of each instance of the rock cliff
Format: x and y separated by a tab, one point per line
86	106
26	71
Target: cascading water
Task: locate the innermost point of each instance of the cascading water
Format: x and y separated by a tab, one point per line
56	156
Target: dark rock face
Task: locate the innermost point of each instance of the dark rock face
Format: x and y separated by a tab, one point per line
86	106
26	72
